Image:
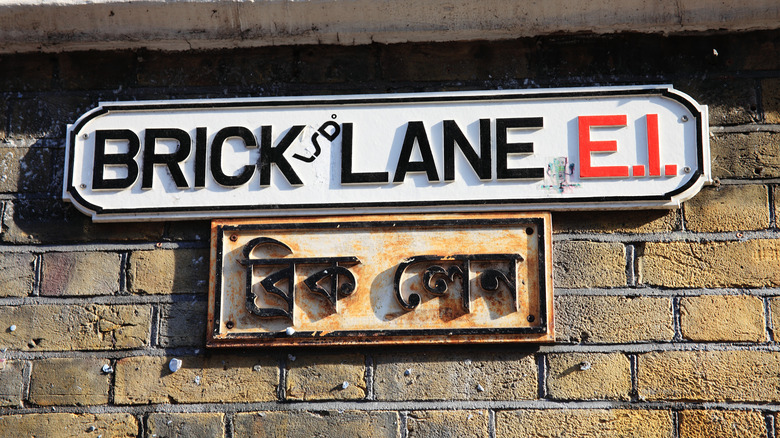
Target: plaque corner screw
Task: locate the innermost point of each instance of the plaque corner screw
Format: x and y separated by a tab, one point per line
233	237
684	118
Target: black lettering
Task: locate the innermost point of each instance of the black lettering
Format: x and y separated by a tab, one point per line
170	160
216	156
127	159
415	133
503	148
270	154
200	157
480	163
347	175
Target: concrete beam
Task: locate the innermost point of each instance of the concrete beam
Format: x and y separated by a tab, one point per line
52	26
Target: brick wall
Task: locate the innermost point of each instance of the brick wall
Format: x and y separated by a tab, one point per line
664	319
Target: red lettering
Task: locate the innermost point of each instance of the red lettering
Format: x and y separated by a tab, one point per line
653	149
588	146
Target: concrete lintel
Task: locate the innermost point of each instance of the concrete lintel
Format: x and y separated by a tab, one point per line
64	25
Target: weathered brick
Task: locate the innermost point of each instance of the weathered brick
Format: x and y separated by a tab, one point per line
75	327
188	230
183	324
749	155
11	382
723	318
587	376
255	67
46	115
750	263
733	376
731	102
613	319
213	379
343	64
117	70
585	423
632	221
728	208
170	425
27	72
322	377
770	97
169	271
69	381
456	375
342	424
25	169
63	425
159	69
774	312
445	424
49	220
722	424
16	274
583	264
442	61
80	273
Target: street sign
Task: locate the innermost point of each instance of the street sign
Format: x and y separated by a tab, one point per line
381	279
556	149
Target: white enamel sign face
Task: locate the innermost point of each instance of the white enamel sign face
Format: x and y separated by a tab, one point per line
592	148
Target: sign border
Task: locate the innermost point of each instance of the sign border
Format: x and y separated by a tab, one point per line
700	176
544	329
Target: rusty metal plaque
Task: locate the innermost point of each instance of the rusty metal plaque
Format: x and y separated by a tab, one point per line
480	278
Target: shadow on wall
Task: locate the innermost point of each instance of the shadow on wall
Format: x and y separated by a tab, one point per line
166	259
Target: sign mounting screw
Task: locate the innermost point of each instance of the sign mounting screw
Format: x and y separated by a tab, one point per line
684	118
85	136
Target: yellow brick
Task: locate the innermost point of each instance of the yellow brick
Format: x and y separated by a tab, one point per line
723	318
326	377
770	96
11	382
739	376
456	375
74	327
62	425
613	319
750	263
774	310
16	274
168	271
588	376
340	424
728	208
446	424
582	264
600	423
80	273
69	381
745	156
630	221
721	424
213	379
201	424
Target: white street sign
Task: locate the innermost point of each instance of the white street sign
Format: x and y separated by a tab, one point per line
555	149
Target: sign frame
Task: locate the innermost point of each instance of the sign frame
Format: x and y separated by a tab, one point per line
220	332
